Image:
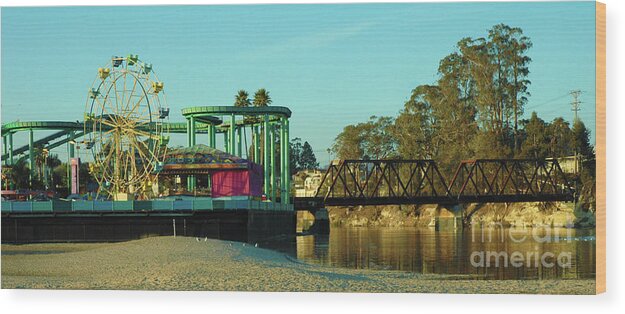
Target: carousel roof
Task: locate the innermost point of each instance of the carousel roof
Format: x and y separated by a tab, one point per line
201	159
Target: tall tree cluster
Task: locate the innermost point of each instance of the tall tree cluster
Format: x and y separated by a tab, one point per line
373	139
302	156
474	109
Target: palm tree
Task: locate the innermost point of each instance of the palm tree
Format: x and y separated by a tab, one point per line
18	174
242	99
40	157
52	162
262	98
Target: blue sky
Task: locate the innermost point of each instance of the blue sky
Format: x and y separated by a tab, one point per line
333	65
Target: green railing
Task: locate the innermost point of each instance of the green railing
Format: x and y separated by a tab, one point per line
204	204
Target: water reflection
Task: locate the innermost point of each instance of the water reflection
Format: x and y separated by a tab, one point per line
497	253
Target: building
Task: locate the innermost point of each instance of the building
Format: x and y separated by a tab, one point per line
229	175
307	182
569	164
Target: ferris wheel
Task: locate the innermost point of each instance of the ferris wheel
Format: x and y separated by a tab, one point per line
124	119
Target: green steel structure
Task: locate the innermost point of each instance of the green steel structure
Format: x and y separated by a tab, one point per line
270	123
269	127
66	133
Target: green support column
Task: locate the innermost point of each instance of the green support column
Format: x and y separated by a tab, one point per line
192	131
272	141
283	163
266	155
45	174
190	183
211	144
214	135
226	142
72	144
188	132
4	142
71	150
256	144
10	160
239	142
287	156
31	157
193	138
10	136
211	136
191	142
232	134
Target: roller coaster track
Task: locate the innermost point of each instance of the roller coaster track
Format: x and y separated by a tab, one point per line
64	129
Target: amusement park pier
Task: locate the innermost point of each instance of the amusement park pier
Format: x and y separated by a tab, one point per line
232	189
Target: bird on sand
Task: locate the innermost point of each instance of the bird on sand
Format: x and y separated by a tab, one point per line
205	239
256	245
197	239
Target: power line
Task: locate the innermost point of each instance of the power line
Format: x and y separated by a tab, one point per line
534	106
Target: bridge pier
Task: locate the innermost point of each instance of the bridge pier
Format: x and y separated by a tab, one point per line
322	222
449	218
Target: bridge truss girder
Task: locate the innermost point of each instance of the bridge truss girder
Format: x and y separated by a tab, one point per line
369	179
413	182
511	179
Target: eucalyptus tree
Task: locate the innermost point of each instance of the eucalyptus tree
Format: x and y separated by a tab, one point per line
349	143
482	72
536	144
414	126
378	139
374	139
455	111
560	138
508	47
581	140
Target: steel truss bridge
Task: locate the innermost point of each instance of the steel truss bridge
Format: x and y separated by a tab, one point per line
403	182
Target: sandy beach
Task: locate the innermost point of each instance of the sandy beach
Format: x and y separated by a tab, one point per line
181	263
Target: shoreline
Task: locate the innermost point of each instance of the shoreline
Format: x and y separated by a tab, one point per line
184	264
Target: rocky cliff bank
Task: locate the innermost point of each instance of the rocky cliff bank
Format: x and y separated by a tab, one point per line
555	214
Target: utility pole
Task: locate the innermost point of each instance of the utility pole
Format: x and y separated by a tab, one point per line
575	104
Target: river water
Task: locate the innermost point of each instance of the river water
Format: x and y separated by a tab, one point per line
481	253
